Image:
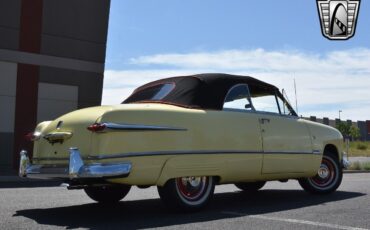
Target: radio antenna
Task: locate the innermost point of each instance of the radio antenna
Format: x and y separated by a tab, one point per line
296	100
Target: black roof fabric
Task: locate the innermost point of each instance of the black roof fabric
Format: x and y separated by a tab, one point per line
206	91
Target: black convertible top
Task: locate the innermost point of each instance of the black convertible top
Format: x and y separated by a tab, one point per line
206	91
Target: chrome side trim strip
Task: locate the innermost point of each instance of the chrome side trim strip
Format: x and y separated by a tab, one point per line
287	152
115	126
192	152
161	153
315	151
178	152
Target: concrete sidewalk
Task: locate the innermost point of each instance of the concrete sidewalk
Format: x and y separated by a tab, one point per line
359	159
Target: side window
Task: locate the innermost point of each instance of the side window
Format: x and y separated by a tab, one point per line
238	98
284	110
265	103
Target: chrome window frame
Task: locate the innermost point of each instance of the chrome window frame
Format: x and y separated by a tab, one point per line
253	110
248	99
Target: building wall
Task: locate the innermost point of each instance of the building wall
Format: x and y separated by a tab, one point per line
9	24
52	57
364	126
8	79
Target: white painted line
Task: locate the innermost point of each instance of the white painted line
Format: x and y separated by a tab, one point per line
296	221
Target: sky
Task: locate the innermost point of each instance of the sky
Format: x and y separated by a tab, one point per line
274	41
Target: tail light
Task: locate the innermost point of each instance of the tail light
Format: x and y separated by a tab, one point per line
32	136
97	127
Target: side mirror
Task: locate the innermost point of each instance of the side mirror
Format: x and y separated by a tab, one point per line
248	106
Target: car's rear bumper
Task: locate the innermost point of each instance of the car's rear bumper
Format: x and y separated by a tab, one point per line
75	170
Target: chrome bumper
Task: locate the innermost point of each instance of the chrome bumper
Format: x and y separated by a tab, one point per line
75	170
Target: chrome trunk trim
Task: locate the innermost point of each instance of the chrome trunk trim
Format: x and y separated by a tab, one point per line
57	137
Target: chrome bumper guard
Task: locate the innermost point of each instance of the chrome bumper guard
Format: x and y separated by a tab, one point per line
76	169
345	162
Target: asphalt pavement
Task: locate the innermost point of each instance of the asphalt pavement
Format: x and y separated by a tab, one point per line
276	206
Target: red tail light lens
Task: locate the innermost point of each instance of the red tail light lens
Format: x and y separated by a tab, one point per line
32	136
97	127
29	136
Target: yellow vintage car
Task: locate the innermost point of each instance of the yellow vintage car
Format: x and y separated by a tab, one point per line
185	135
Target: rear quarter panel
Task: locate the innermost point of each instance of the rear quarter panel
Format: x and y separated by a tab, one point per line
205	131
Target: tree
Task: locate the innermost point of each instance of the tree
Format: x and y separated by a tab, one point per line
354	132
344	128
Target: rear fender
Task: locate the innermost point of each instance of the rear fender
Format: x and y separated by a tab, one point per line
182	166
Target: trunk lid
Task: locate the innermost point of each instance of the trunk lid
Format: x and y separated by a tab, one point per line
69	130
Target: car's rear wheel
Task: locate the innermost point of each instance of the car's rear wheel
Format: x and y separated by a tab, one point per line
187	193
107	194
328	177
250	186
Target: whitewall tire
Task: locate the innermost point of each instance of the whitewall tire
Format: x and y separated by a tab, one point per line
187	193
328	177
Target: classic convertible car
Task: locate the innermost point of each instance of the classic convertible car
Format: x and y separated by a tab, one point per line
185	135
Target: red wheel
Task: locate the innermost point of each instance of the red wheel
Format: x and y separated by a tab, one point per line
325	174
187	193
191	188
328	177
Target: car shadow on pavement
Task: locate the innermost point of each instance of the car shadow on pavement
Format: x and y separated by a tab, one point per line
152	213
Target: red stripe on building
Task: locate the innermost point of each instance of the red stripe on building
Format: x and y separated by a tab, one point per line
31	26
27	76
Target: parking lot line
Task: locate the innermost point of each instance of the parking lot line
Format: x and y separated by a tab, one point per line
296	221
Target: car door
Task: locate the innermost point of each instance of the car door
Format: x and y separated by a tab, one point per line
287	144
244	134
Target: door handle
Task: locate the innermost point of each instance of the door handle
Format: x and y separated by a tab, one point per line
264	120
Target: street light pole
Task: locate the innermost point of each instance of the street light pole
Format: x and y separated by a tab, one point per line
339	113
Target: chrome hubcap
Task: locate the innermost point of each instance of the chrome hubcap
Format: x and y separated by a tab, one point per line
323	171
326	175
193	181
192	188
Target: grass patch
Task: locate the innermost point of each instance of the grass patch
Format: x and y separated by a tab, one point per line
358	148
360	166
361	146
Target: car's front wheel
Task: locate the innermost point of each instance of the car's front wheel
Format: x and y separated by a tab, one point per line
250	186
187	193
107	194
328	177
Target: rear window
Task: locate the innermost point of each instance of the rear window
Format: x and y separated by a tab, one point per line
152	93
